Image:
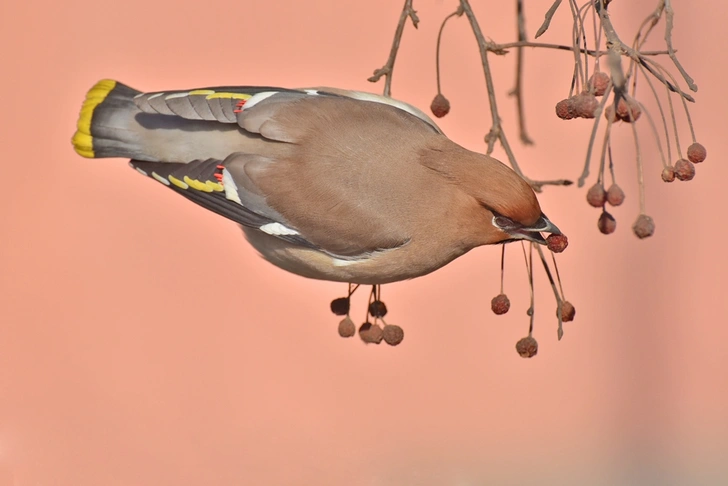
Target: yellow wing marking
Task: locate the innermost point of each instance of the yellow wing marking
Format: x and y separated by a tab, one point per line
234	96
177	182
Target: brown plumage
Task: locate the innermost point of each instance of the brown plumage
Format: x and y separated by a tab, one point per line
326	183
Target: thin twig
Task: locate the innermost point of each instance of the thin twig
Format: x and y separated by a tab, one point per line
501	49
560	331
617	46
611	161
547	19
388	68
458	13
503	265
664	123
529	268
482	45
603	158
669	14
518	89
672	87
640	169
576	42
655	133
592	138
641	38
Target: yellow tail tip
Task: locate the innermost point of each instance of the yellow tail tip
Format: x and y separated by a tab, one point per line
82	139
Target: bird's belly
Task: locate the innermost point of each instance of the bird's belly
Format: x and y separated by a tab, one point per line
383	267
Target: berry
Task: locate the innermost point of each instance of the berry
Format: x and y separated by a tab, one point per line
684	170
527	347
440	106
377	309
696	153
566	109
585	105
644	227
596	196
598	83
668	174
500	304
615	195
347	328
607	224
610	114
340	306
557	243
370	333
567	311
393	335
625	107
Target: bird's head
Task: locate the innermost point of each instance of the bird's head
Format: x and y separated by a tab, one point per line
502	202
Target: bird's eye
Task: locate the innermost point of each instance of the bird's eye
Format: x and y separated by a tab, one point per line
505	223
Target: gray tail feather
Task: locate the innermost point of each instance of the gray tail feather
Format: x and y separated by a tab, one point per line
112	125
106	125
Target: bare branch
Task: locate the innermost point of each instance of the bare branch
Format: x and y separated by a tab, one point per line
592	138
501	49
388	68
614	43
669	14
518	89
547	19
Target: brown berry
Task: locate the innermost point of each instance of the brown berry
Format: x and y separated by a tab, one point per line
625	107
668	174
370	333
500	304
557	243
615	195
596	195
377	309
340	306
347	328
527	347
598	83
585	105
644	227
607	224
566	109
696	153
567	311
440	106
684	170
610	114
393	335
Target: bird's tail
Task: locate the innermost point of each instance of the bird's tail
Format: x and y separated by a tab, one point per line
165	128
106	125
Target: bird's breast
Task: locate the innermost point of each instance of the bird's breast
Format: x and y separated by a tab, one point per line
414	259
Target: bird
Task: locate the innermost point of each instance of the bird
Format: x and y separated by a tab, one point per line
326	183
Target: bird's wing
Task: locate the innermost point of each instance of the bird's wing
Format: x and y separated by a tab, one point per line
210	184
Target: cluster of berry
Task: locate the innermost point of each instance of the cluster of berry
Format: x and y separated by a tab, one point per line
369	332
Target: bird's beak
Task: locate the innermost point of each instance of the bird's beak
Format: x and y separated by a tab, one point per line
533	232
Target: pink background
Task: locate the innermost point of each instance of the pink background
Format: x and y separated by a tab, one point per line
143	342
